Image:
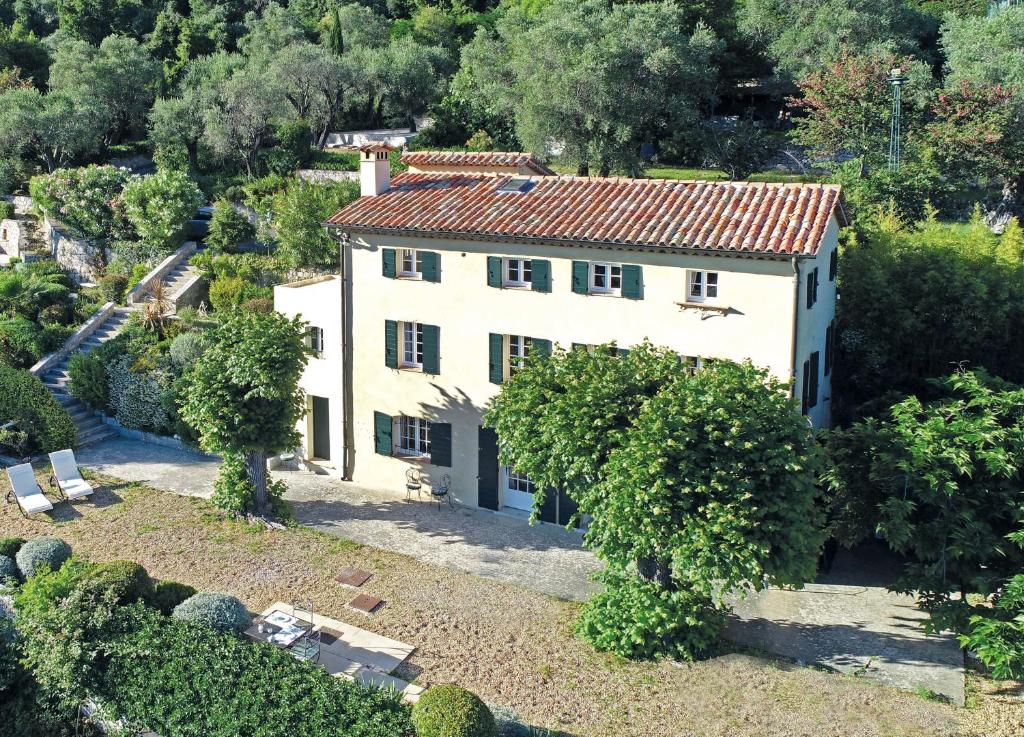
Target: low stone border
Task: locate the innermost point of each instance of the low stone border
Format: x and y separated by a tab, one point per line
148	437
74	340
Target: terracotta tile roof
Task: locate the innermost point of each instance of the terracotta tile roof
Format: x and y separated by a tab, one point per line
734	217
482	159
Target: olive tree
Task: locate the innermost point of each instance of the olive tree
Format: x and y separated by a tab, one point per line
242	396
696	484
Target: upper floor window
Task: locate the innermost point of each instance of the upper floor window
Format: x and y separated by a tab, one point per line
315	340
412	436
518	350
410	263
702	285
605	278
508	354
412	345
518	272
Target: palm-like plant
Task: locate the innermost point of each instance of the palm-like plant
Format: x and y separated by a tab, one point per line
156	308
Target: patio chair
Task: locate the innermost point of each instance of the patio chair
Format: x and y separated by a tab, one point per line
27	490
442	490
69	479
413	482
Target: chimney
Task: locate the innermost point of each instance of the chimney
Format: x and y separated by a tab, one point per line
374	169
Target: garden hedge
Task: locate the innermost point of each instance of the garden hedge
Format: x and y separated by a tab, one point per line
168	594
10	546
179	679
452	711
25	401
129	581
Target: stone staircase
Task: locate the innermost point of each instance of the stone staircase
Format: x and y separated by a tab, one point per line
174	282
91	429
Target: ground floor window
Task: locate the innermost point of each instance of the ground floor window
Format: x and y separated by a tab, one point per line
519	489
413	436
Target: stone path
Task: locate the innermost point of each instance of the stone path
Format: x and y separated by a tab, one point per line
846	621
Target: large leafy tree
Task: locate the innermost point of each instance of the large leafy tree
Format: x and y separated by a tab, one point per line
119	74
243	398
299	213
801	37
178	121
158	207
594	79
53	129
695	484
241	119
985	49
946	477
315	83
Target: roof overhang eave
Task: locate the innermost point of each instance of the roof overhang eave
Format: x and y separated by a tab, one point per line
467	236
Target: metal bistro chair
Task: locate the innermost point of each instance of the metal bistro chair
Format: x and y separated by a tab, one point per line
413	482
442	490
307	647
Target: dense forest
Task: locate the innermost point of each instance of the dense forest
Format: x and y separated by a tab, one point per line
242	88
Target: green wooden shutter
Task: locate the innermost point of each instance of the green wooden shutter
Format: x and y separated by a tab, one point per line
541	275
431	349
579	346
549	507
805	385
810	289
382	433
389	263
431	272
812	392
540	345
632	287
494	271
441	444
496	358
391	344
580	275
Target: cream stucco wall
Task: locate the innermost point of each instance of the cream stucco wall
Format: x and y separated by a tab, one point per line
318	302
758	326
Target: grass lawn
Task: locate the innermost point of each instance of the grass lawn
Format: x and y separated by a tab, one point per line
513	647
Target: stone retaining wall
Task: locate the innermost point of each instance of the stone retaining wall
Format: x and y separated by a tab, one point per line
82	258
327	175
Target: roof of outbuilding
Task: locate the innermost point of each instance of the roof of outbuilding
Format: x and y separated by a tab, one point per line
480	159
731	217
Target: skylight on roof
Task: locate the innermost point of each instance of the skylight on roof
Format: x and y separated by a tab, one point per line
516	184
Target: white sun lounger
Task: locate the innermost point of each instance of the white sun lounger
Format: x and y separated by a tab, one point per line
27	490
69	478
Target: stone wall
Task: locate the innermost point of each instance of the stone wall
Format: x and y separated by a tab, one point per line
80	257
327	175
12	237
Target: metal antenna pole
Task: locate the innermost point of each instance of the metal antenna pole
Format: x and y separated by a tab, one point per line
896	79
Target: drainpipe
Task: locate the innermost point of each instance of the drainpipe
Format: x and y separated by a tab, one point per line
796	324
348	434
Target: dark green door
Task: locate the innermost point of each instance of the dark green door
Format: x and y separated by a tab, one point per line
487	458
321	428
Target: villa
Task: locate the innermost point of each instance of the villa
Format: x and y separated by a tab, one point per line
454	272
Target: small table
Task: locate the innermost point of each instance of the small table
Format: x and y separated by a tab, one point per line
282	629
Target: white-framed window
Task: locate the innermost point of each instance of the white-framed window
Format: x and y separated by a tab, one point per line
693	363
315	340
518	272
410	263
702	285
519	481
412	436
518	350
605	278
412	345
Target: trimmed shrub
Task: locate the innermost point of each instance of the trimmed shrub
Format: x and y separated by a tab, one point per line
8	569
160	205
6	210
10	546
48	552
113	287
220	611
187	348
83	199
89	382
227	293
259	304
34	411
452	711
129	581
228	228
19	342
168	594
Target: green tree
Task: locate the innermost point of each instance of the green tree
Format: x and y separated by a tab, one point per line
228	228
948	476
695	483
899	323
800	38
178	121
315	83
120	75
241	119
985	49
243	396
159	205
595	79
299	214
54	129
270	31
21	48
94	20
